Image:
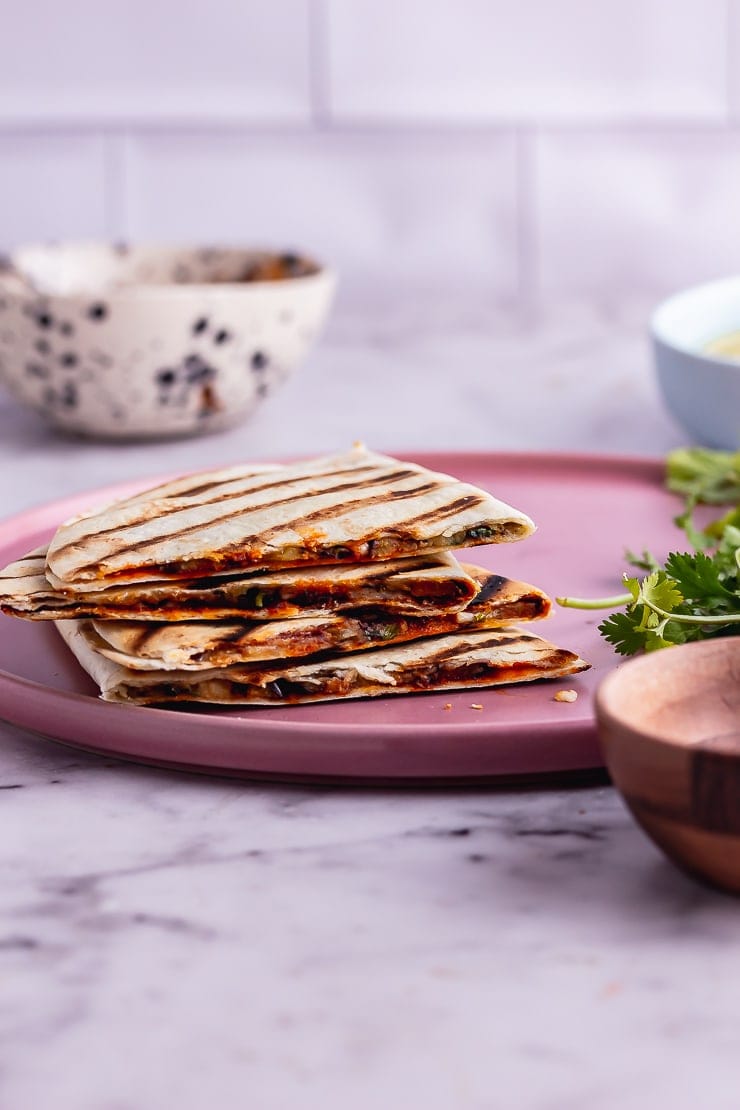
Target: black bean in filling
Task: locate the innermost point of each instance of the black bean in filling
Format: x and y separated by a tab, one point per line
256	598
320	599
439	590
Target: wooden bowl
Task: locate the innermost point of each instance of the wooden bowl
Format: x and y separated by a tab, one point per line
669	725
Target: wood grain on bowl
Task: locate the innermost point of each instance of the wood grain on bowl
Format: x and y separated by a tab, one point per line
669	726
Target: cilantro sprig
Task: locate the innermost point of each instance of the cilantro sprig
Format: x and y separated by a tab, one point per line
693	595
704	475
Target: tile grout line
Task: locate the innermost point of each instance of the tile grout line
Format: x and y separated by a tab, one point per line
730	23
361	126
318	64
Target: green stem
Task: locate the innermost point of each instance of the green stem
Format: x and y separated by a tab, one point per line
595	602
687	618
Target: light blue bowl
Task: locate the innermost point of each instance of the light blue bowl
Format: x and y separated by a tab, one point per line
702	391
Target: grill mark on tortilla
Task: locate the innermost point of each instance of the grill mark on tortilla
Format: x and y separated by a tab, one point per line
219	653
396	475
491	588
196	491
327	512
446	510
322	513
347	507
496	639
277	485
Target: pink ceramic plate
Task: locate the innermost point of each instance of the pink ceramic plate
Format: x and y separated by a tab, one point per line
588	510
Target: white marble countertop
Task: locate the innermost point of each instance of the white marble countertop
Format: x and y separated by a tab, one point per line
175	941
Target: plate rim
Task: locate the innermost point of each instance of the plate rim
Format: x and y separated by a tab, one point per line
46	697
568	458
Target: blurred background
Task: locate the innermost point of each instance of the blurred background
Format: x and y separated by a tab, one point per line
506	189
512	153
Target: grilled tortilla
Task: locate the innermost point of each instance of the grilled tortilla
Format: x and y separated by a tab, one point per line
460	660
425	586
357	507
201	645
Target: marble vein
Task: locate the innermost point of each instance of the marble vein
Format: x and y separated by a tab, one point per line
174	941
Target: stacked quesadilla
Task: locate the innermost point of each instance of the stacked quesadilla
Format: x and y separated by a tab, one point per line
319	580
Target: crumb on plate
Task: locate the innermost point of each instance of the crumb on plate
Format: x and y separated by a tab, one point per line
566	695
475	705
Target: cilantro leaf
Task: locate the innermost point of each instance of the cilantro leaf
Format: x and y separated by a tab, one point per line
623	633
698	538
697	576
645	561
704	475
659	591
695	594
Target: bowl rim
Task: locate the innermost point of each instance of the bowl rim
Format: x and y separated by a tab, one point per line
12	277
657	330
604	691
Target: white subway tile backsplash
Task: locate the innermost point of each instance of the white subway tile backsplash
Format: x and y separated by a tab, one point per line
51	187
620	214
393	212
733	57
533	59
383	137
127	59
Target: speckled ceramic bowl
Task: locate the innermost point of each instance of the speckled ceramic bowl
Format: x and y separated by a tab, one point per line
122	342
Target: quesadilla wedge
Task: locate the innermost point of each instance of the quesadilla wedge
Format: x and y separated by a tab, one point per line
203	645
352	508
460	660
425	586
